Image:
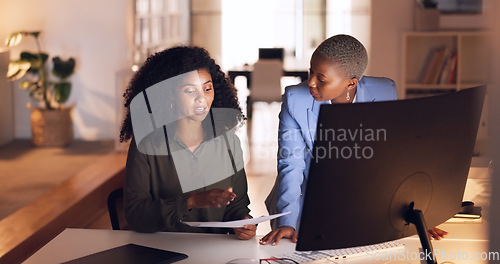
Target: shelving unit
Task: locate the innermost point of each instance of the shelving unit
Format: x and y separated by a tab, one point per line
159	24
472	68
472	51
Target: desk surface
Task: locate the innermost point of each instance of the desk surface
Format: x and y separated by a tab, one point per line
217	249
465	242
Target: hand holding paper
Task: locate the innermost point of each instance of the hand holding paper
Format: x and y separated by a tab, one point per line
234	224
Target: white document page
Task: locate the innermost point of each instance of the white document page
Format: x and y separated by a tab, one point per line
235	224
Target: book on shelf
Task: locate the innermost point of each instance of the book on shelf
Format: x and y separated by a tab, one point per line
440	67
445	71
452	74
464	216
475	213
428	67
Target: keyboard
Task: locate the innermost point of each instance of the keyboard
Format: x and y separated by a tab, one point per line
332	255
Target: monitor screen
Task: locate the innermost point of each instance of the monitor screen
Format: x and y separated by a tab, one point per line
271	53
372	162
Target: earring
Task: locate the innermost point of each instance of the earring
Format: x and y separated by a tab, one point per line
171	106
348	96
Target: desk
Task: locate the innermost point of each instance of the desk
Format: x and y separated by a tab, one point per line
247	72
218	249
466	239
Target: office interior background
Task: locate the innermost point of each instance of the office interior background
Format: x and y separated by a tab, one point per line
103	37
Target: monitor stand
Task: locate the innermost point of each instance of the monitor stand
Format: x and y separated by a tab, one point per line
416	217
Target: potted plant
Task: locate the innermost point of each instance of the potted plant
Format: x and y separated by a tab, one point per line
51	122
427	15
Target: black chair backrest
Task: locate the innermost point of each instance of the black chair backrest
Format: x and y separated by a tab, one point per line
114	198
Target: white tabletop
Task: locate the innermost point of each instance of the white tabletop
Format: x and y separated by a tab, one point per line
201	248
466	242
217	249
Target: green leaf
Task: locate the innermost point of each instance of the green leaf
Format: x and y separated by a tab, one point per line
62	91
25	55
13	39
17	69
63	69
25	85
33	33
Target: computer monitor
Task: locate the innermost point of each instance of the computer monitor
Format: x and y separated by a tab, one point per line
376	165
271	53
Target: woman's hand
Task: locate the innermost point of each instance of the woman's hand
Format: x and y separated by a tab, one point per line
280	232
211	198
246	232
289	232
437	233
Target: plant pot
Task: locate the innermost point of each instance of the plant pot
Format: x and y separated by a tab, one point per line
426	19
51	128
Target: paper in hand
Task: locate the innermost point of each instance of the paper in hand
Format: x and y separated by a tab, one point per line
234	224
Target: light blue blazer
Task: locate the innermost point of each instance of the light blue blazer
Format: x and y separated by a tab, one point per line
297	128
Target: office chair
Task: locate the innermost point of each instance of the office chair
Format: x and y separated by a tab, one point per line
266	82
115	202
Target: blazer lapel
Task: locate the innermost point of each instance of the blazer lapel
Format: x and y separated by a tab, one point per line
312	120
362	94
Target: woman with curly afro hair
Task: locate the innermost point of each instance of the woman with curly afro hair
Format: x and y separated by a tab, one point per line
184	162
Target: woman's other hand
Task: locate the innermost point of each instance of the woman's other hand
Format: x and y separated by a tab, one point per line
437	233
211	198
246	232
281	232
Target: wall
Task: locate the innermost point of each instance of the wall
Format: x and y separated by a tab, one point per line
206	26
351	17
96	34
250	25
389	19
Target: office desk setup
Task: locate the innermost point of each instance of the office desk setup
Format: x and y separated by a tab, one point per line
467	241
246	71
219	249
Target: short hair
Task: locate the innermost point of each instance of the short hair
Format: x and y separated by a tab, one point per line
173	62
348	52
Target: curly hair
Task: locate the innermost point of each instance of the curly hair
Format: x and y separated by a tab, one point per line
175	61
348	52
